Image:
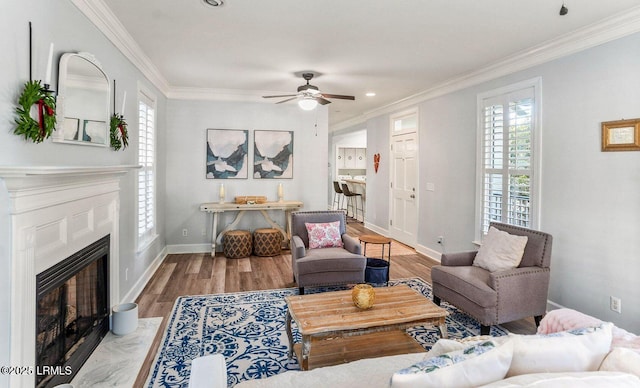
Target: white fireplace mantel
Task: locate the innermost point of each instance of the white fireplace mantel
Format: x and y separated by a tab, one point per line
53	212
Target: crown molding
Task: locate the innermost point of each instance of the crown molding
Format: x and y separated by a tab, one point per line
195	93
103	18
612	28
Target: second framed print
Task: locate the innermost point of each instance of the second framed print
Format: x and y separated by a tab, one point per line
273	154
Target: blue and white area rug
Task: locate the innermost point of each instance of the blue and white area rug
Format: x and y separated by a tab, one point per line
248	328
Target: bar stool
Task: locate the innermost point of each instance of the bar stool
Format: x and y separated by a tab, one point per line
351	196
338	195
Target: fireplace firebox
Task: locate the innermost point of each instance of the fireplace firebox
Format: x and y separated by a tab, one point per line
72	312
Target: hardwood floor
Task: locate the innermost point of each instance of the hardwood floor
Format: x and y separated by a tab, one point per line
199	273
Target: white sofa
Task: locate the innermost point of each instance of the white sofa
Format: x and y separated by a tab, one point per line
559	356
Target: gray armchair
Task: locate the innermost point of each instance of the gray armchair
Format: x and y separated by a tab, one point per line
324	266
493	298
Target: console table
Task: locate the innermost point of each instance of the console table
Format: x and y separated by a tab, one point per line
217	208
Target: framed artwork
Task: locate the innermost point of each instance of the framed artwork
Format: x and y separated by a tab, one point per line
621	135
227	153
71	127
94	131
273	154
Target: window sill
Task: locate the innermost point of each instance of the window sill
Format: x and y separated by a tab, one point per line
144	245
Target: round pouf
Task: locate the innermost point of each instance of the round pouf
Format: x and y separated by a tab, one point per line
237	244
267	242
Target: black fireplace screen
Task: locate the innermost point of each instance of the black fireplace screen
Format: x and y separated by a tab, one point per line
72	313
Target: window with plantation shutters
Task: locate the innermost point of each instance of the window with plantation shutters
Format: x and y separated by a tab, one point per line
146	174
507	151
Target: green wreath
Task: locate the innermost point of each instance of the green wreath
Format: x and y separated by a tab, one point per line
119	134
36	130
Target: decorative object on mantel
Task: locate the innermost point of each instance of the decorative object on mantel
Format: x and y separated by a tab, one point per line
83	103
621	135
280	193
118	126
36	130
36	94
376	162
363	296
250	199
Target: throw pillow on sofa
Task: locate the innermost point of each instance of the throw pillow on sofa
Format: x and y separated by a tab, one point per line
475	365
500	251
324	235
576	350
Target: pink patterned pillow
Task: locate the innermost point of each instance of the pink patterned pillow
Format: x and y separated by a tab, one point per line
324	235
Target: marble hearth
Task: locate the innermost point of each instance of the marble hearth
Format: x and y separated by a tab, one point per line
46	215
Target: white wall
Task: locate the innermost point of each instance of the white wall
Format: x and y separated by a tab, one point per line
589	198
187	186
61	23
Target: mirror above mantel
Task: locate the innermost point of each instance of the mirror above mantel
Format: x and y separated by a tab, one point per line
83	101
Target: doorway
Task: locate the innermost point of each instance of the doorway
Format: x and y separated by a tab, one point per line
403	217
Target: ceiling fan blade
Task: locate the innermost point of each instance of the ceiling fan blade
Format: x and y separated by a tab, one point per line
340	96
322	101
288	99
281	95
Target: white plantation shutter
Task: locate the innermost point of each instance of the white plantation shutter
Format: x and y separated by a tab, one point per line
146	175
507	150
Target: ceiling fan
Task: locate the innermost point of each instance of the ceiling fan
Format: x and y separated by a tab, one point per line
310	96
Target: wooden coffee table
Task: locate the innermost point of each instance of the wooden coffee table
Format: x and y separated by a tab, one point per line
334	331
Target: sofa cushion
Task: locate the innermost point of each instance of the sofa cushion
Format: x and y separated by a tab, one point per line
370	373
472	282
622	360
576	350
330	259
324	234
475	365
500	250
572	380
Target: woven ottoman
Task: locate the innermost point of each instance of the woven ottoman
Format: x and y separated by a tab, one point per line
267	242
237	244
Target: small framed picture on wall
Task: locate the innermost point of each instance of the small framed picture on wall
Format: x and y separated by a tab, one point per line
621	135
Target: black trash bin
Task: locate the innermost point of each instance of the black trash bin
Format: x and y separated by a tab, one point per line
377	271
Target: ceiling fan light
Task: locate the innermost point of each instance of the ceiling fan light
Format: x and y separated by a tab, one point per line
308	103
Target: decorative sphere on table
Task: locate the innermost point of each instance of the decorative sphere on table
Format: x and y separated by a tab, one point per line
363	296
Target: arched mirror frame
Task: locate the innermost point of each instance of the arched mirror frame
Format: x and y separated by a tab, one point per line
96	123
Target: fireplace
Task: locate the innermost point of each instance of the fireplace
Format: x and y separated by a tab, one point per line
72	313
48	215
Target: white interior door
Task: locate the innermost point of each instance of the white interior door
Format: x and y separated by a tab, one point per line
404	182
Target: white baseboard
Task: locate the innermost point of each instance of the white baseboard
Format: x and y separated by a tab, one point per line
433	254
189	248
376	228
551	305
137	288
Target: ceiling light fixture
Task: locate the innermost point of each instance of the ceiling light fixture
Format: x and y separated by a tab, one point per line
563	10
308	103
214	3
370	94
